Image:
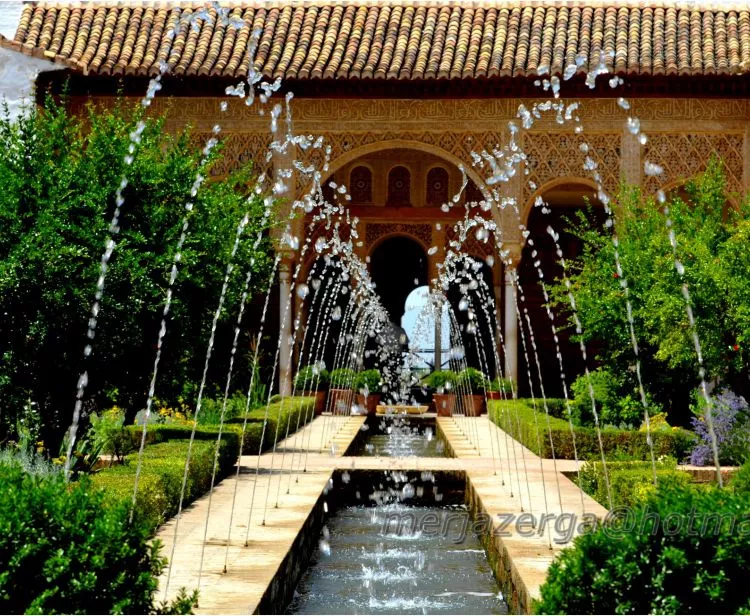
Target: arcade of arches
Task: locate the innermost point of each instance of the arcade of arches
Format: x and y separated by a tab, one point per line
399	158
397	194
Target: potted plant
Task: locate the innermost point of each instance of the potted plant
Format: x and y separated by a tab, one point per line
313	380
472	385
341	394
500	388
367	386
443	383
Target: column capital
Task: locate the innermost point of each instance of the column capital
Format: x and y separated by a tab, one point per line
511	253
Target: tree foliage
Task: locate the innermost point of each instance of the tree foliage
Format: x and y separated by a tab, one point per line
711	240
60	173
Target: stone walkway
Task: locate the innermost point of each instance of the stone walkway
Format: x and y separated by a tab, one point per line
282	501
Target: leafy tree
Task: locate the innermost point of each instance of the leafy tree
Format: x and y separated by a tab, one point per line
711	245
60	173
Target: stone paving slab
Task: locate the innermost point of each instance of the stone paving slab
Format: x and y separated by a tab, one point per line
508	481
251	567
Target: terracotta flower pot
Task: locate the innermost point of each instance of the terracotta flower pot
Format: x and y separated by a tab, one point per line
494	395
473	405
320	402
369	402
445	404
340	401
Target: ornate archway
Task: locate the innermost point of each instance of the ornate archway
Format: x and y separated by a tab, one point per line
398	265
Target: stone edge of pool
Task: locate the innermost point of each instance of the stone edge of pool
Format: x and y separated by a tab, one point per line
519	564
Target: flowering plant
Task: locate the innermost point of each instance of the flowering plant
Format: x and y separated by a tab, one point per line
731	423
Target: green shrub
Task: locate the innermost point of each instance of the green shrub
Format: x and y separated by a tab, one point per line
109	434
472	380
68	548
210	413
630	444
558	407
614	404
342	378
630	482
368	379
501	385
682	551
312	378
740	481
442	379
162	471
605	395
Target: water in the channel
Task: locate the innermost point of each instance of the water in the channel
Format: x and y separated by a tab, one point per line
398	437
399	559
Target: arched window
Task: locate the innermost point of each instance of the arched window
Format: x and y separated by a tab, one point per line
360	185
437	186
399	186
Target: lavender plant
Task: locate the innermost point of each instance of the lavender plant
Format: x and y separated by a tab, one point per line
731	418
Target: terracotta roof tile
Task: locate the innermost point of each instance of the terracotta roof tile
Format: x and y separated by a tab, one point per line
388	39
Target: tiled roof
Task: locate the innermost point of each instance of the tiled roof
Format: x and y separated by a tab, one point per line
342	39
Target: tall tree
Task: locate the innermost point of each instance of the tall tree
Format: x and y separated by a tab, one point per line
60	173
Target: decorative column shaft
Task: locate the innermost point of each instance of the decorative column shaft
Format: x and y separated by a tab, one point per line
285	329
439	337
438	241
511	325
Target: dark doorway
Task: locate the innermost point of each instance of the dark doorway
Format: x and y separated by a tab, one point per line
397	266
568	204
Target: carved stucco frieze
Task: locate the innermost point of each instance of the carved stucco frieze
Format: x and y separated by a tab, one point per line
464	114
682	155
376	231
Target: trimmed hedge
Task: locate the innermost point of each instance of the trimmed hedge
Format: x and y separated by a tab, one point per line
161	476
285	412
164	458
631	482
675	443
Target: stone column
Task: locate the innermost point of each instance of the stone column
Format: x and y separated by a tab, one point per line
285	327
497	283
438	241
511	321
285	190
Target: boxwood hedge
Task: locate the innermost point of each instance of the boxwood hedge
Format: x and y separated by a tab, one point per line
518	419
164	458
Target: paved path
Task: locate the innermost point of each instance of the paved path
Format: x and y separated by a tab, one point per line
506	477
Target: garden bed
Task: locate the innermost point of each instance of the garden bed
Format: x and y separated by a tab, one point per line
164	457
520	420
